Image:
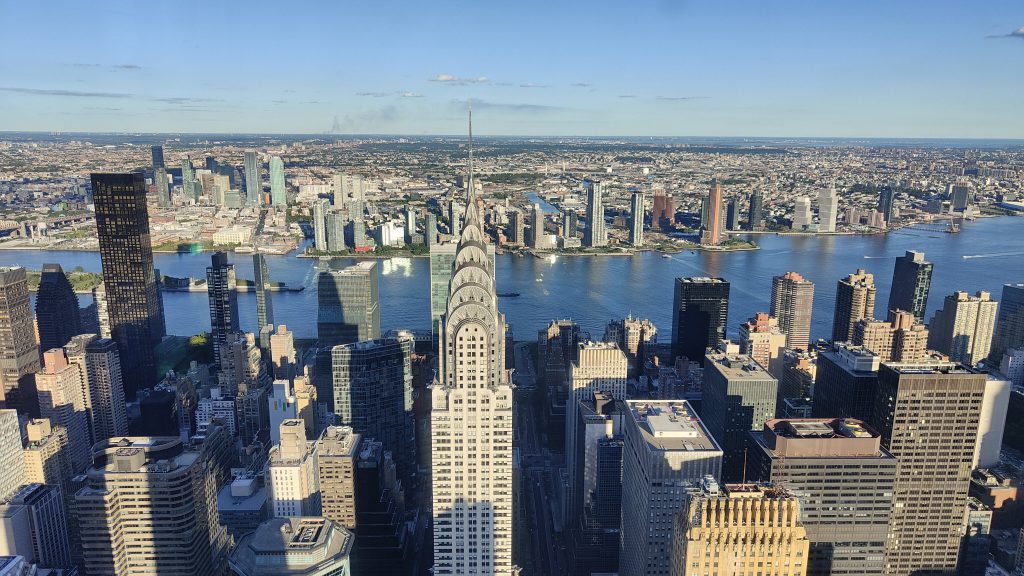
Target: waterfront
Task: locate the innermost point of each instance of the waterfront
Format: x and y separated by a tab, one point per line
594	290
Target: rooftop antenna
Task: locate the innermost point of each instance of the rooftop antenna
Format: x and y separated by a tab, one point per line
472	191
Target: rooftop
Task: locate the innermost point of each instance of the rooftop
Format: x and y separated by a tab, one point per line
702	280
338	441
671	425
738	366
298	545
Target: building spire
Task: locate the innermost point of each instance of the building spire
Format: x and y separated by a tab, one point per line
472	189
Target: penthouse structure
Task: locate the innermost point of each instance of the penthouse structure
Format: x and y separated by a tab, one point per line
666	448
824	461
297	546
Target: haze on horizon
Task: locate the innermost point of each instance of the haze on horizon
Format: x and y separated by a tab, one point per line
659	68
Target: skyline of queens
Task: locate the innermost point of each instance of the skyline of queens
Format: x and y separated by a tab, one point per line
678	312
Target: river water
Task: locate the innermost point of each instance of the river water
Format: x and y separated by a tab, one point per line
595	289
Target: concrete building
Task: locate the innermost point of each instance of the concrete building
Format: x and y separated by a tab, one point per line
1009	323
134	305
243	505
1012	366
337	450
348	310
762	340
712	234
297	546
594	511
282	354
739	396
992	422
141	495
637	337
46	457
18	347
278	192
666	449
385	544
911	282
595	235
963	327
803	218
900	339
264	303
223	300
471	418
517	228
293	473
253	184
320	225
598	367
928	416
792	303
99	361
755	212
846	382
855	300
35	515
537	227
636	219
828	209
373	394
729	530
700	309
821	462
62	399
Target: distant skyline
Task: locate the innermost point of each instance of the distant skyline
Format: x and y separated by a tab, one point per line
660	68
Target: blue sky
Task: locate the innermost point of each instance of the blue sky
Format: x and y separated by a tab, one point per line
664	68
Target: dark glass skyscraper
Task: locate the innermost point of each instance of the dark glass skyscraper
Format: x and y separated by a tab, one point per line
133	299
911	281
158	156
261	281
348	310
220	286
373	394
700	309
1009	322
756	211
886	202
57	316
253	187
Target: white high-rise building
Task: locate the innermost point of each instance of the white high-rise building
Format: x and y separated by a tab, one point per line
802	217
471	417
12	459
828	209
294	476
963	327
1012	366
61	388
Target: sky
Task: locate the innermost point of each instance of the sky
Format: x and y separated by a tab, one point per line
926	69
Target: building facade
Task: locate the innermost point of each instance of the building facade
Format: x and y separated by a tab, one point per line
792	304
963	327
700	309
855	300
911	282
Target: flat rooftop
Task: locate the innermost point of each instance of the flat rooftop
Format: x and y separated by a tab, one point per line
738	367
702	280
670	425
298	545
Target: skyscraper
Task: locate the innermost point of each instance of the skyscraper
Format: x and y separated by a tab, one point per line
133	299
755	214
792	304
384	544
264	302
911	282
57	316
570	223
927	415
1009	323
761	339
63	399
666	449
823	462
712	235
337	450
898	339
730	529
348	304
636	219
223	300
803	219
18	350
150	506
887	202
700	310
595	236
828	209
292	471
278	193
157	152
961	196
537	227
12	461
637	337
320	225
99	298
253	186
855	300
846	382
963	327
430	230
373	394
739	396
36	512
517	228
471	417
442	260
107	412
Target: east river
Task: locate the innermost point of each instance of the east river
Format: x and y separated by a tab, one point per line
595	289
